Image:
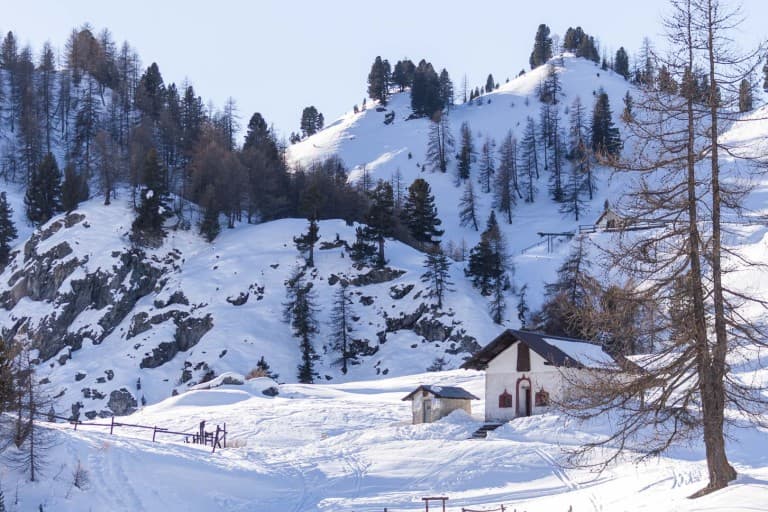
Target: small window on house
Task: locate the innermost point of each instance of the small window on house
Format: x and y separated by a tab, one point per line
505	400
542	398
523	358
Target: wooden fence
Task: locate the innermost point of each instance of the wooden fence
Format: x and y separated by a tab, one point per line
215	438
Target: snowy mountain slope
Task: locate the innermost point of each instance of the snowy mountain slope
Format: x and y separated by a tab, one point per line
364	140
103	314
350	447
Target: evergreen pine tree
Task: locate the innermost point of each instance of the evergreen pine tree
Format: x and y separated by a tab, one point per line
209	224
341	326
490	84
542	47
264	369
377	81
446	89
426	97
153	207
381	219
74	189
43	196
8	231
568	298
468	207
621	63
467	153
606	140
300	311
305	243
361	251
437	275
488	259
745	96
420	213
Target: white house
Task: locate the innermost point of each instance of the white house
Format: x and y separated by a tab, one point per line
430	403
525	370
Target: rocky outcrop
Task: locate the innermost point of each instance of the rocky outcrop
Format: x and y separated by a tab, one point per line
429	324
122	402
189	331
377	276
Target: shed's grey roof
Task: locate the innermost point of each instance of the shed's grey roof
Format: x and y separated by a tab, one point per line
443	392
556	350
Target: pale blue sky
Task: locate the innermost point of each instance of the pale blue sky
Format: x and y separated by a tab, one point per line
276	57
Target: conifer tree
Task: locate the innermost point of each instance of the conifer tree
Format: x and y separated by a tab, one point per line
440	143
446	89
567	298
488	259
402	75
305	243
437	275
361	250
490	84
8	231
420	213
487	167
468	207
341	326
72	189
542	47
621	63
529	169
508	163
579	152
505	185
426	98
209	224
745	96
558	151
606	140
300	311
378	80
153	207
311	121
43	196
380	220
467	153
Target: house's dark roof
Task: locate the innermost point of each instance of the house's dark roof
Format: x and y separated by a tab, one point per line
556	350
443	392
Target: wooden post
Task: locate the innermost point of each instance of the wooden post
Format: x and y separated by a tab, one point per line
154	432
112	425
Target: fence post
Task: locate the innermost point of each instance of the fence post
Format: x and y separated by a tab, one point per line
154	431
112	425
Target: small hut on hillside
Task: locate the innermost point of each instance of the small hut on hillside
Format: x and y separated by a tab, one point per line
430	403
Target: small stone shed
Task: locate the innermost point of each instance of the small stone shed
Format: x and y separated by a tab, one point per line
430	403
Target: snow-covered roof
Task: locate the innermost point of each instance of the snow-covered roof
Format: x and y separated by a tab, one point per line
556	350
443	392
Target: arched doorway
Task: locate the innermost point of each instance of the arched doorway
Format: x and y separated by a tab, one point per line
524	401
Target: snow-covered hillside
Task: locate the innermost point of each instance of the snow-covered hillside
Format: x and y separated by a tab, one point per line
105	315
363	140
350	447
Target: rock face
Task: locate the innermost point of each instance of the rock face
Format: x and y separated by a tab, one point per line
188	333
121	402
